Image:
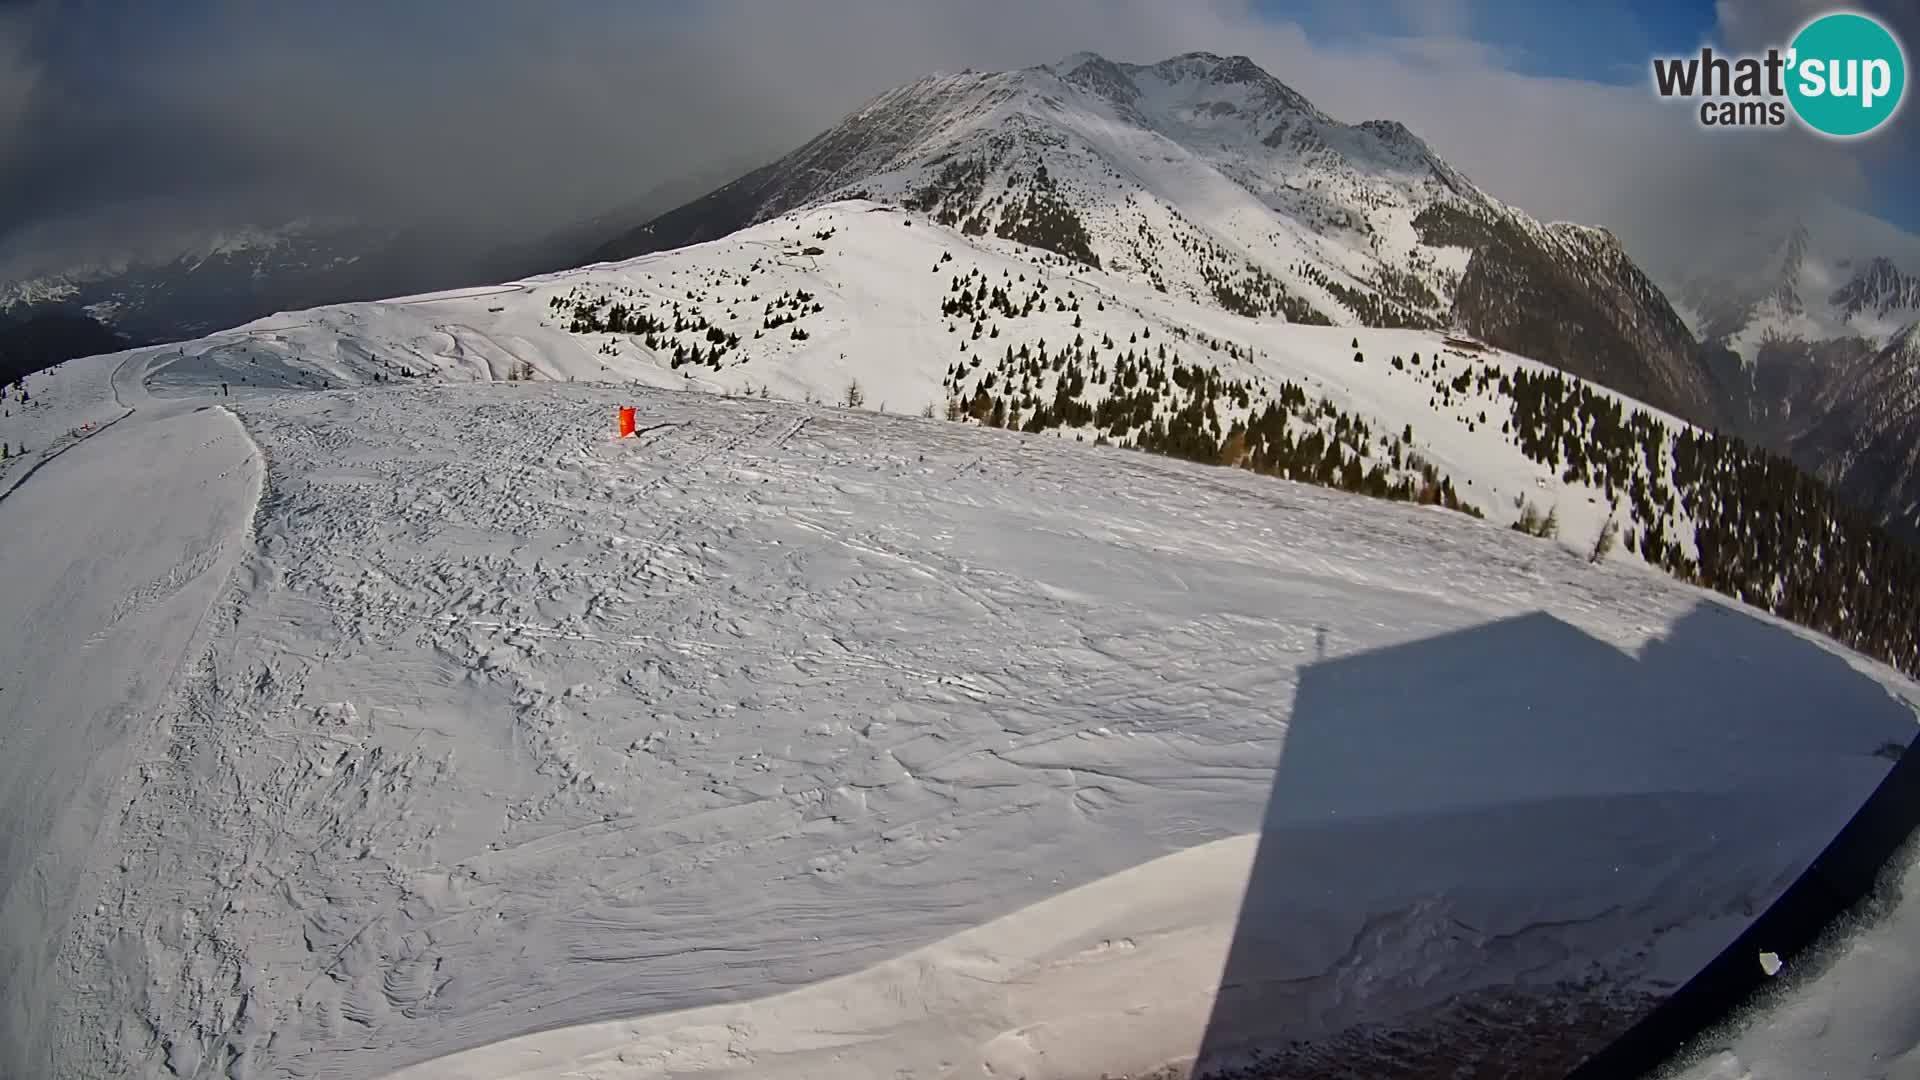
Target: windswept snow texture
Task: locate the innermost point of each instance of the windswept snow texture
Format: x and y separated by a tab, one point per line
501	725
110	557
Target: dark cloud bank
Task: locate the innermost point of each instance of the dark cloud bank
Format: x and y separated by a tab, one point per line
125	125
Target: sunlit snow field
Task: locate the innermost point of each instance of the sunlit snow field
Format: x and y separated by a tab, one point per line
350	729
345	726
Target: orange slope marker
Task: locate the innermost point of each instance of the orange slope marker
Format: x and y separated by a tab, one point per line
626	421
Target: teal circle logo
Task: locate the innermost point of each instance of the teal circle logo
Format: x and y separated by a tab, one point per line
1846	76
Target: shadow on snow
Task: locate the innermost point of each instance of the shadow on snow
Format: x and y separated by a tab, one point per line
1493	830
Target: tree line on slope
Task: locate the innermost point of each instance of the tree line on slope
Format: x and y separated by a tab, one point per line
1591	315
1032	210
1764	532
667	334
1708	509
1372	309
1152	400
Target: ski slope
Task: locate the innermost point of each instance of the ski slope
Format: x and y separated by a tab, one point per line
117	538
447	735
63	406
879	283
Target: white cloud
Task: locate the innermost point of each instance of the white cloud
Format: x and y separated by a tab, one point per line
1436	18
1751	25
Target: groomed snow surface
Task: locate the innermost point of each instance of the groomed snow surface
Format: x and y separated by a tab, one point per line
342	731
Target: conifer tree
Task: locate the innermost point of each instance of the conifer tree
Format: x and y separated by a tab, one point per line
1603	543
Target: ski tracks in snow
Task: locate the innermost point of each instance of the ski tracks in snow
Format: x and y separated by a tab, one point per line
511	724
112	558
514	723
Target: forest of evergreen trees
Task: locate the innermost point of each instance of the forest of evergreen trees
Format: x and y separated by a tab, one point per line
973	298
951	196
1765	532
1032	211
1706	508
1404	288
683	335
1045	219
1762	531
1152	400
1372	309
1256	293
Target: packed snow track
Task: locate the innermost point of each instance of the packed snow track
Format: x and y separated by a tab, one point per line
759	743
114	542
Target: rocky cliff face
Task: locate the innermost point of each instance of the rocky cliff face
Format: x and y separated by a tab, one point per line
1864	437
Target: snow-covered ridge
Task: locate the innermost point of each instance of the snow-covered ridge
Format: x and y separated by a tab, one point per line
1204	146
501	725
954	323
801	307
52	289
1198	113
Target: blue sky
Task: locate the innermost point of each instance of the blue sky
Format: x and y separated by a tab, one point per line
1596	41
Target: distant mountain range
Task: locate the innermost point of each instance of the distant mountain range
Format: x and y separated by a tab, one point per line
1810	330
228	278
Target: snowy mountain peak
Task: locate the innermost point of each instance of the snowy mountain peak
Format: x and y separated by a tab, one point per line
1201	85
1795	248
1395	134
1231	80
1878	288
1791	260
1214	67
1208	179
1068	64
1807	282
1100	76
